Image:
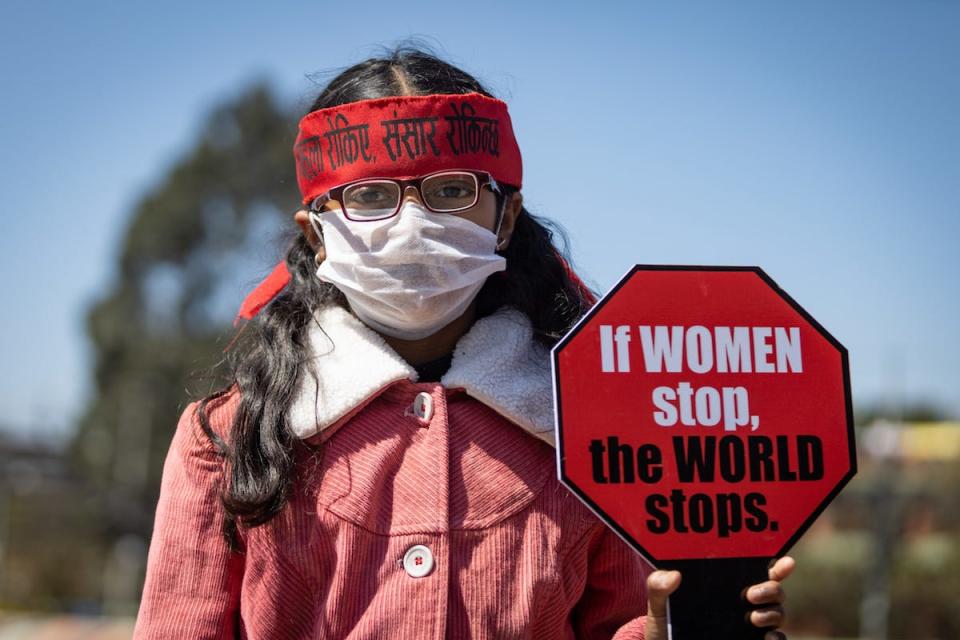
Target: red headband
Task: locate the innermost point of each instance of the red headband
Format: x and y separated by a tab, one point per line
404	137
396	137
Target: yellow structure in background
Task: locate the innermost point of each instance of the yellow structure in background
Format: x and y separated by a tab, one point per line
938	441
910	441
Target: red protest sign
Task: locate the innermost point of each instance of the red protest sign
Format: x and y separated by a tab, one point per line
702	413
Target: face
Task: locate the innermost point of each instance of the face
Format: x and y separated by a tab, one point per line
484	213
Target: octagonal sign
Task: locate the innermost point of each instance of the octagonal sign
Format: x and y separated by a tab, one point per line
702	413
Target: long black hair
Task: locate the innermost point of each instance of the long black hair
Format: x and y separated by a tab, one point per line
267	365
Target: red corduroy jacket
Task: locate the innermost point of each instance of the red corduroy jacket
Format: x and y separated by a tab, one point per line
420	510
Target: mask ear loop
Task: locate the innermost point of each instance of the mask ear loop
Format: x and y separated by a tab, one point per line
314	218
500	216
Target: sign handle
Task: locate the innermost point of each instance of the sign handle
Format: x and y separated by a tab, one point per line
711	600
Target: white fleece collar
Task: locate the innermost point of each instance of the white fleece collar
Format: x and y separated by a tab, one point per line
497	362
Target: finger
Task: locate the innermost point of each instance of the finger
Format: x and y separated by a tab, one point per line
769	592
782	568
775	635
768	617
660	584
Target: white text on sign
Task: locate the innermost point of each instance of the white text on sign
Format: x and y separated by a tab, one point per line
699	350
723	349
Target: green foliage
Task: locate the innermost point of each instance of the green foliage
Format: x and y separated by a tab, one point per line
825	591
194	246
925	588
916	412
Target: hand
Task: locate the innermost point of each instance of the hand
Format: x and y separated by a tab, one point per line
660	584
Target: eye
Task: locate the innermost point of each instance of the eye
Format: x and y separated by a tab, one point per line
450	191
372	195
368	195
453	191
451	188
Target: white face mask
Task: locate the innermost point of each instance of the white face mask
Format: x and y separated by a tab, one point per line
410	275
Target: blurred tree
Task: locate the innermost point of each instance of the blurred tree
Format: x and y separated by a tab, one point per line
167	318
916	412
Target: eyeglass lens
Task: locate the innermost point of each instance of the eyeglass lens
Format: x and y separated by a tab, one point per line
443	192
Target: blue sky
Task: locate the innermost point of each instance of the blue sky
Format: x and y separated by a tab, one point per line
818	140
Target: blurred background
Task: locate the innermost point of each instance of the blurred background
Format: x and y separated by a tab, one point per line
148	184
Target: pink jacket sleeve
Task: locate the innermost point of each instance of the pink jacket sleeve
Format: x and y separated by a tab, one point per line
192	585
614	601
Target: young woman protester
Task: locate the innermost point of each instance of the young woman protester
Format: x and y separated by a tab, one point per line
383	464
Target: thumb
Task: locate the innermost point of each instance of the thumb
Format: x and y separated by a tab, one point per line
660	584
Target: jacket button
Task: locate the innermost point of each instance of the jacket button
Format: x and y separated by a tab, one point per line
418	561
423	406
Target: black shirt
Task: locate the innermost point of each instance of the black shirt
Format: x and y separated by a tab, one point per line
433	370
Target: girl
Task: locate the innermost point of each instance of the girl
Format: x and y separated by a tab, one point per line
383	464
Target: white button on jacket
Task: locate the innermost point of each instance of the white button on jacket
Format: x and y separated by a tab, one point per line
423	406
418	561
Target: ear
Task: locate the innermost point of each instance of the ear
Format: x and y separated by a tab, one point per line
511	210
302	218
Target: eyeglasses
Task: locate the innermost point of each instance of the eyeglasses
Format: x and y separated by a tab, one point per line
380	198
